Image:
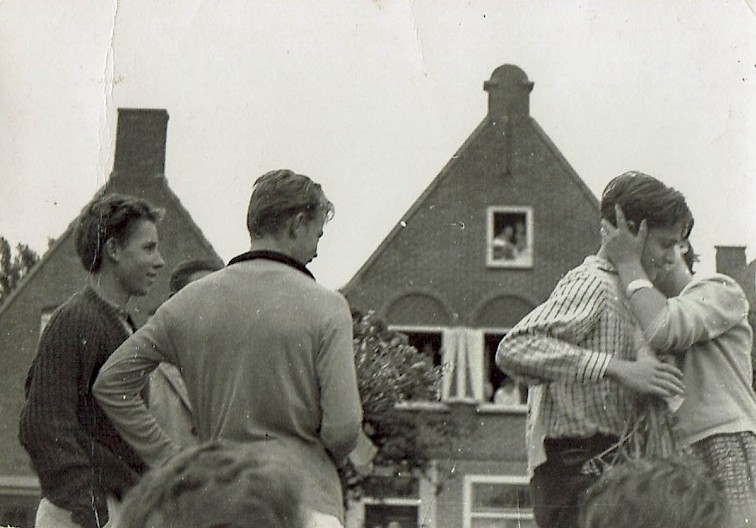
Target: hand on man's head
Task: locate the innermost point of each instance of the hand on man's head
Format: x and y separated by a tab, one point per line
620	244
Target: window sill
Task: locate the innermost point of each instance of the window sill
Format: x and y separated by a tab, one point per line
499	408
420	406
446	406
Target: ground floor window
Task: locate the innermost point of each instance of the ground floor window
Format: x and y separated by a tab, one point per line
425	340
389	502
500	388
468	356
497	501
381	515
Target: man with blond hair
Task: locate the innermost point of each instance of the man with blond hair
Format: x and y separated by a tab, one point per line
266	353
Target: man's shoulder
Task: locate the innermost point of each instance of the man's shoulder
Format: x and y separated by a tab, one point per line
592	272
327	295
80	306
274	276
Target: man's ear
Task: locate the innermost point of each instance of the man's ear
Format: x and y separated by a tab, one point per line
299	220
112	250
294	223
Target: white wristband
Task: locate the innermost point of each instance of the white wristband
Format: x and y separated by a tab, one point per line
637	284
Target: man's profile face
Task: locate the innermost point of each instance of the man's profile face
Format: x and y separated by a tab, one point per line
660	250
308	236
139	258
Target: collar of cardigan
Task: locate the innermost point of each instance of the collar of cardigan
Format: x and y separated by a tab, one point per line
271	255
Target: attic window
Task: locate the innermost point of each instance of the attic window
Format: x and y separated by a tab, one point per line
509	237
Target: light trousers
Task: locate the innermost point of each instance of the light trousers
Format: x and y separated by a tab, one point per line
322	520
51	516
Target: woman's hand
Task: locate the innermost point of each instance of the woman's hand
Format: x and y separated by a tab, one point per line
619	244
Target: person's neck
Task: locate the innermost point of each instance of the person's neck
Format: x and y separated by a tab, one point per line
107	286
271	244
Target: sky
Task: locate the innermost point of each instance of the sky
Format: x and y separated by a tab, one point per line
371	99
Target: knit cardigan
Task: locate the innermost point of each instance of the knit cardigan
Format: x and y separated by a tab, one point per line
74	449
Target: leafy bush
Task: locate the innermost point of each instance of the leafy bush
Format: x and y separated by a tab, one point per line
389	371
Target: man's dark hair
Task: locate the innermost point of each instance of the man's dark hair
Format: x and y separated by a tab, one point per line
643	197
281	194
690	257
111	216
182	273
654	493
216	484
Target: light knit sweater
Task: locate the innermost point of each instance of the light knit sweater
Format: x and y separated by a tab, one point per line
266	354
708	323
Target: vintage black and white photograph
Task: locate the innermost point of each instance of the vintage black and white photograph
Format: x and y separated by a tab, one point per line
377	263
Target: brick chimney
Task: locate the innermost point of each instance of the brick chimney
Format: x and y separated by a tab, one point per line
731	260
508	92
140	143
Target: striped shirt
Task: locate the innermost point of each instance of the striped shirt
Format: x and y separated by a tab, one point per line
562	349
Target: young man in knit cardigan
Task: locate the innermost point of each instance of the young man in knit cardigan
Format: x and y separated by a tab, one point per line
84	466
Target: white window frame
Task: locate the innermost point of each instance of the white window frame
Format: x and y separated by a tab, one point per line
423	330
356	510
491	262
483	405
470	480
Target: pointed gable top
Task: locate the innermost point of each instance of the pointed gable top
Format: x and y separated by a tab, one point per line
509	97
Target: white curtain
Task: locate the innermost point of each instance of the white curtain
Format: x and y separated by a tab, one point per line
462	361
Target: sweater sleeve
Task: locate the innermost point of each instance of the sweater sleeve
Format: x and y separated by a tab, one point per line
49	429
118	390
339	396
543	346
703	311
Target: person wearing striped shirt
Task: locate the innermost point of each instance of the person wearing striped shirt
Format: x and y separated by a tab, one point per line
577	353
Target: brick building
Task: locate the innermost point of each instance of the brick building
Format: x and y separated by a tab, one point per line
731	260
484	244
138	170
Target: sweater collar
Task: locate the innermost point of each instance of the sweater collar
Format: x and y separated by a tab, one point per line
271	255
117	311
